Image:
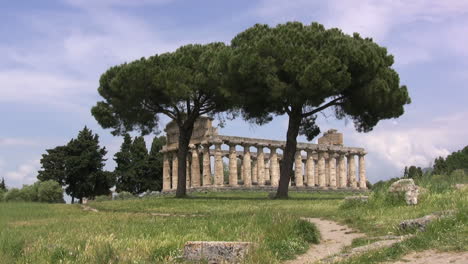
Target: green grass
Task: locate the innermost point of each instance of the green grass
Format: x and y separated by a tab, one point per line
126	232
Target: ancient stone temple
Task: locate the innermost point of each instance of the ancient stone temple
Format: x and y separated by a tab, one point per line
326	165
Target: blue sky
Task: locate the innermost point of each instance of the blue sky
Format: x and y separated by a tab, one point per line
53	53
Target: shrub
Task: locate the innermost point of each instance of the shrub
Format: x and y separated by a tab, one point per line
50	192
29	192
2	194
124	196
14	195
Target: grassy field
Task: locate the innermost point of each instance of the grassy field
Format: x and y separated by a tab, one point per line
127	232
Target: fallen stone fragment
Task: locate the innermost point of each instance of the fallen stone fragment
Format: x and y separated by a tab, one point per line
422	222
407	186
461	186
216	251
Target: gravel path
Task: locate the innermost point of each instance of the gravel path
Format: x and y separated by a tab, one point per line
334	238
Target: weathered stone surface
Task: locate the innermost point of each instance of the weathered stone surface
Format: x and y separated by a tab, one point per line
422	222
408	187
461	186
331	137
216	251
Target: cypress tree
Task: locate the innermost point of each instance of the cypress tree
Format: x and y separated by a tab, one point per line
84	166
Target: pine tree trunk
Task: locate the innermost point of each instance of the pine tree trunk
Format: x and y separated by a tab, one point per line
73	200
289	152
185	133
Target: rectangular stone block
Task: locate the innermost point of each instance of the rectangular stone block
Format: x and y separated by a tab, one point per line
216	251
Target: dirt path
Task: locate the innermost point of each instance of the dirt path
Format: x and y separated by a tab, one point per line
434	257
334	238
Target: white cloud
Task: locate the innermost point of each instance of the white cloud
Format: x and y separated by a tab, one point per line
435	25
417	145
24	174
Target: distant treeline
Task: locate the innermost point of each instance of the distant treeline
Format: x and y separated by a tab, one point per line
458	160
78	168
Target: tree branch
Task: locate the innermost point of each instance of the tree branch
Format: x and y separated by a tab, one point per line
318	109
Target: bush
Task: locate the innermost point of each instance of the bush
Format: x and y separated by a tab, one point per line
50	192
124	196
13	195
47	191
29	192
2	195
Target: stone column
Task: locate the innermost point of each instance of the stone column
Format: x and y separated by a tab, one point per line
351	171
187	171
316	174
219	172
260	166
332	168
267	171
298	169
327	171
166	172
247	167
342	171
362	171
195	167
206	165
321	169
254	170
274	165
232	165
310	168
175	167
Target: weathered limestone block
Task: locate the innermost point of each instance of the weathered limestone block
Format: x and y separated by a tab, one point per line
298	169
422	222
407	187
216	251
